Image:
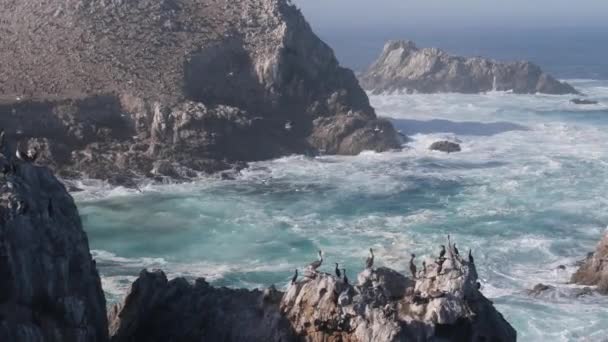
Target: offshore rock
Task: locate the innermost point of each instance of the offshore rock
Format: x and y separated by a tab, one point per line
49	286
445	146
583	102
107	89
403	67
439	305
594	270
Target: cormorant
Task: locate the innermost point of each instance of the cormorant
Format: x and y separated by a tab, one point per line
413	266
338	271
471	260
344	279
439	265
295	277
369	262
317	263
423	267
456	250
442	252
478	285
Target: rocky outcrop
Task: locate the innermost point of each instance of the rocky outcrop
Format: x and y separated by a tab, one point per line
445	146
49	286
124	89
583	102
440	304
404	67
594	270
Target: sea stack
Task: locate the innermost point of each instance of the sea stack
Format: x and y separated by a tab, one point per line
115	89
594	270
403	67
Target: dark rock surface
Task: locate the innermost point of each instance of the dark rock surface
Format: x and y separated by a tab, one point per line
583	102
445	146
404	67
49	286
594	270
110	89
383	306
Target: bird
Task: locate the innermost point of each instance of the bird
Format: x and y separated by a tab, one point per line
442	252
478	285
471	260
369	262
288	126
295	277
317	263
439	265
377	129
423	267
456	250
338	271
344	274
413	266
30	156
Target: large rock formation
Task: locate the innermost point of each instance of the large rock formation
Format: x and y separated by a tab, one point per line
404	67
440	305
118	89
49	287
594	270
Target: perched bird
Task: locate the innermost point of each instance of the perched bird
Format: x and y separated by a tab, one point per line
317	263
337	270
369	262
439	265
456	250
29	157
344	278
423	267
478	285
413	266
471	260
295	277
288	126
442	252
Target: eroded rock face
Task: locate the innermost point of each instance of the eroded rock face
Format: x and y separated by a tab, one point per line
404	67
49	286
439	305
108	88
594	270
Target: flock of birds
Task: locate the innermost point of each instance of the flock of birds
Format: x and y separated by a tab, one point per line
369	263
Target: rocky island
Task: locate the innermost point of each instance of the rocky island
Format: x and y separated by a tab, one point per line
123	89
594	270
403	67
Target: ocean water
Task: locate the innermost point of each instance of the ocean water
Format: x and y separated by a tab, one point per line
527	193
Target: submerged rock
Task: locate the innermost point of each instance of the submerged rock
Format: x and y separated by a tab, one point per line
445	146
49	286
197	84
404	67
594	270
440	304
539	289
583	102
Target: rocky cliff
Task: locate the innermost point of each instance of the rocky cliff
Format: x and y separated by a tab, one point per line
404	67
49	287
594	270
121	89
440	304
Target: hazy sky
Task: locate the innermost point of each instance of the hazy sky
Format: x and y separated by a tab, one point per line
455	13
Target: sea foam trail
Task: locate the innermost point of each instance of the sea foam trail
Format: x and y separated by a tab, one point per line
526	200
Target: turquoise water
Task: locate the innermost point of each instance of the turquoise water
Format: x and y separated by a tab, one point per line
527	193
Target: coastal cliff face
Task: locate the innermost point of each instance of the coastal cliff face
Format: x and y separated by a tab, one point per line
594	270
439	305
49	286
120	89
404	67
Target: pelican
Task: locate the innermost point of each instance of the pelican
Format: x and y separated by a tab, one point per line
369	262
344	279
413	266
295	277
317	263
471	260
442	252
338	271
